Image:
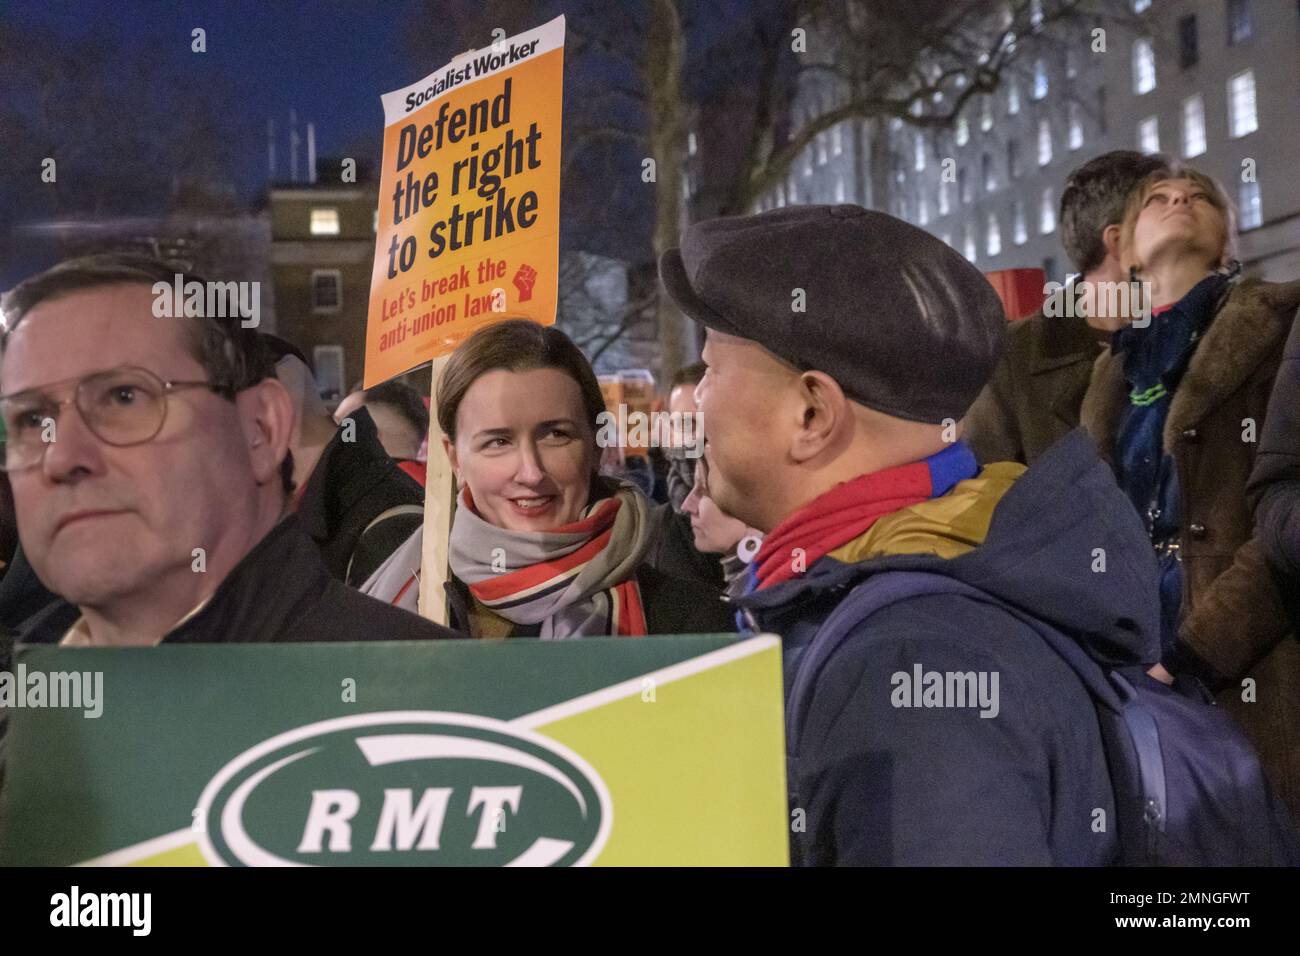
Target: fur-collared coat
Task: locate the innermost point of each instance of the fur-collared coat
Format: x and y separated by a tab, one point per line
1235	625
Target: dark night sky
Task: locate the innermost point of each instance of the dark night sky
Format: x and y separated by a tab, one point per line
328	59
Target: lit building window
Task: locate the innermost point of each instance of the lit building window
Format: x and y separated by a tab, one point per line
1193	126
1140	5
963	131
780	194
1076	126
968	242
1144	65
690	143
1241	104
839	189
1071	63
837	139
1040	78
947	238
1036	13
1044	141
993	237
943	198
919	150
807	160
790	190
923	211
964	186
986	113
821	148
325	222
1019	233
1047	212
1013	96
1252	215
986	170
1013	158
1149	135
1239	25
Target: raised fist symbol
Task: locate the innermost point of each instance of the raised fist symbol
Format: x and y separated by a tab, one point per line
524	280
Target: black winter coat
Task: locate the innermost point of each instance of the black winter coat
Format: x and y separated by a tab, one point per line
353	484
281	591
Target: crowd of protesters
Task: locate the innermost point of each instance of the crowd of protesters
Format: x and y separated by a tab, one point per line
896	478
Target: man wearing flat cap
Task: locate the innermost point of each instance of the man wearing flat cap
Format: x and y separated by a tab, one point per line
928	722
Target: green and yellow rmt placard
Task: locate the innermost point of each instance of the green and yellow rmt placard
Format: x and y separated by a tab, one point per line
662	750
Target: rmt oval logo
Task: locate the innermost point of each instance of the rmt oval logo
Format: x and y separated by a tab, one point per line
406	788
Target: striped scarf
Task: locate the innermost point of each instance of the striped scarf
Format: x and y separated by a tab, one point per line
850	509
576	580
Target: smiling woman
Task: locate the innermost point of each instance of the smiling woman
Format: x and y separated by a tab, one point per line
541	544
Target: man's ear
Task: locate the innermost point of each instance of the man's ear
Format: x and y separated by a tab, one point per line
822	411
266	414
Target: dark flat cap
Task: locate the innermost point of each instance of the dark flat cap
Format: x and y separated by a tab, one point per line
901	321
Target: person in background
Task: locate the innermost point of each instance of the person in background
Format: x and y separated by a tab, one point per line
149	459
541	544
1176	405
637	470
402	419
351	497
677	543
716	532
1034	396
681	401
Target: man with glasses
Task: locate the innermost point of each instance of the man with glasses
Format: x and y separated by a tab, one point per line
150	468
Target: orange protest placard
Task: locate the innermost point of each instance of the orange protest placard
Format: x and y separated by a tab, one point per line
469	201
